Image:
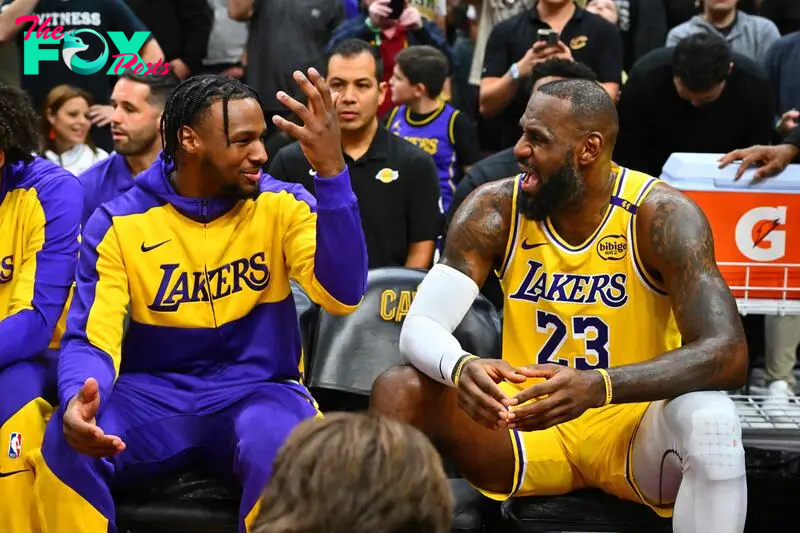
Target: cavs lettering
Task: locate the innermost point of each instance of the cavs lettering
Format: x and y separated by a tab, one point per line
395	304
605	289
6	268
180	286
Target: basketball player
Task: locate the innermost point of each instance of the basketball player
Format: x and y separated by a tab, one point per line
618	331
40	207
198	256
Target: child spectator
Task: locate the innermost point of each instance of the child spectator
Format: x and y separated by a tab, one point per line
448	135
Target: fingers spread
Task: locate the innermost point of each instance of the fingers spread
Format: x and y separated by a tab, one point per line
322	88
289	127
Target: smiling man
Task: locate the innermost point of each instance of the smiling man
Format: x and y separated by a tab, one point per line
618	329
198	256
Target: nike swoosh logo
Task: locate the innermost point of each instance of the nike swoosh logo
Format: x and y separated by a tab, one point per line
9	474
526	246
153	247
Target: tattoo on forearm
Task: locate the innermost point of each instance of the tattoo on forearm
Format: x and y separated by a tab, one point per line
479	230
713	339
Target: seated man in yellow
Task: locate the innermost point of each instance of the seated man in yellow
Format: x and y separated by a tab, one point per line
198	254
618	334
40	205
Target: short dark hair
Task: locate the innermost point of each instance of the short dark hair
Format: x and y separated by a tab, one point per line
355	47
426	65
19	123
356	473
191	98
561	68
160	85
701	61
590	105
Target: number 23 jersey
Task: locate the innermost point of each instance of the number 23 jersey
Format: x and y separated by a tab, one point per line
586	306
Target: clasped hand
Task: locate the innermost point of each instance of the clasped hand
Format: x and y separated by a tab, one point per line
562	395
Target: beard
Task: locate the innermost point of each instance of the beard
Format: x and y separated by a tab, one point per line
560	188
133	146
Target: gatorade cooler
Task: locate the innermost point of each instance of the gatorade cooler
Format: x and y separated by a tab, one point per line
756	227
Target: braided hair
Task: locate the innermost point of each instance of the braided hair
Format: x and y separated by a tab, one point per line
191	98
19	135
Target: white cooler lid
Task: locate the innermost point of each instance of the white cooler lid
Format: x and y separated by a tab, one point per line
687	171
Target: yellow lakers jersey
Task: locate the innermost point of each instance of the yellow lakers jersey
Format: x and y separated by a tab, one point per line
586	306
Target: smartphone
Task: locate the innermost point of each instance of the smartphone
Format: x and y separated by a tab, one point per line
549	36
398	6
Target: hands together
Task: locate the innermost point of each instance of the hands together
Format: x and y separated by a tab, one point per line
563	394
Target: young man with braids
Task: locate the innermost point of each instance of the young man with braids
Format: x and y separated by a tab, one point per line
195	260
40	212
618	332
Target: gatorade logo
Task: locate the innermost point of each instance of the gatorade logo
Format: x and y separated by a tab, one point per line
761	233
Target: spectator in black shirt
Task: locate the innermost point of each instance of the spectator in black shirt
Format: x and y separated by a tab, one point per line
696	97
514	48
181	27
395	182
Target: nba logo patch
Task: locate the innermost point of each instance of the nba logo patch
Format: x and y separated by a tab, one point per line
15	446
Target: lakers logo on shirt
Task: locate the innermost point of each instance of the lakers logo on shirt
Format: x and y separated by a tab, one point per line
612	247
6	268
576	43
179	286
387	175
606	289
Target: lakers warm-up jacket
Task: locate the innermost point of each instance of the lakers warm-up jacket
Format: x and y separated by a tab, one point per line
40	206
200	287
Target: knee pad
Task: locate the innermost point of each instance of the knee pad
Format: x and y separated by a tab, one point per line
707	426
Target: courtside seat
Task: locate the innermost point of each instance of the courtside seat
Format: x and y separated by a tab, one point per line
351	351
196	504
583	510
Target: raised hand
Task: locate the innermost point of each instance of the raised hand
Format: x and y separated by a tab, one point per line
320	136
80	424
478	393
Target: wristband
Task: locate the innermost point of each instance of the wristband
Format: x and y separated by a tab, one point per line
609	389
460	366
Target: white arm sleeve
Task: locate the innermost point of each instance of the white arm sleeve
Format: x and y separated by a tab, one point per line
426	339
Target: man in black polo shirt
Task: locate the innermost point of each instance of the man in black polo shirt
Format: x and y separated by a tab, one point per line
697	97
395	182
514	48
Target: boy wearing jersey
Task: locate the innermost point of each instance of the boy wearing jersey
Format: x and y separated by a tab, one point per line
40	208
445	133
618	332
182	343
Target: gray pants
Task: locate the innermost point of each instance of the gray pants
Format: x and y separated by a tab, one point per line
782	335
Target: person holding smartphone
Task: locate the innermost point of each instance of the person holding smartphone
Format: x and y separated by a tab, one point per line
552	28
391	26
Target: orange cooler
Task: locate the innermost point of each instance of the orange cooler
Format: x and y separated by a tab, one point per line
756	227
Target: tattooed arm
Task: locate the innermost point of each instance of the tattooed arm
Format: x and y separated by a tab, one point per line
478	233
676	246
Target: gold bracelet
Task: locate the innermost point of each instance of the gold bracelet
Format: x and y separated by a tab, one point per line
609	389
460	366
